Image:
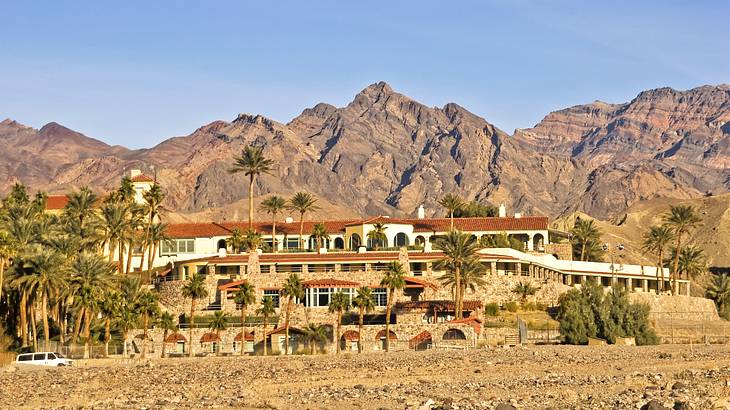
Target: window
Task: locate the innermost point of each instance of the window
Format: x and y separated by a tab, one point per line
274	295
401	239
25	357
288	268
264	268
352	267
320	297
175	246
51	356
39	356
417	268
380	296
325	267
291	243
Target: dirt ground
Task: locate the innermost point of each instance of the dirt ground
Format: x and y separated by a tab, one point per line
554	377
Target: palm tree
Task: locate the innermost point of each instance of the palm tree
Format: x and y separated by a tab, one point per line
524	289
252	162
585	236
217	323
364	302
109	307
719	291
114	222
80	209
339	303
692	262
6	253
126	320
152	207
194	289
319	233
267	309
315	334
377	235
471	276
459	248
451	202
245	296
393	279
148	307
656	241
251	240
167	324
236	241
681	219
292	289
302	202
158	234
273	205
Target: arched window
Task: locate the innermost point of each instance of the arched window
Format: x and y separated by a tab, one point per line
339	243
355	241
313	243
401	239
538	242
454	334
420	240
381	244
222	245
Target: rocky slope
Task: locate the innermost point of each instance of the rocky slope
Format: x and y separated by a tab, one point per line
386	153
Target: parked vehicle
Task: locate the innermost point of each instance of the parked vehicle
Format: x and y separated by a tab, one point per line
43	359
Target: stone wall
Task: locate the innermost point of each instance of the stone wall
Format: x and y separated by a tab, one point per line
563	251
677	307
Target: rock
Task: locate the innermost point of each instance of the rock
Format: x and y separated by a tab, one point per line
679	386
654	405
681	405
505	406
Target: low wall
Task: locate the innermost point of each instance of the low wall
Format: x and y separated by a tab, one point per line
677	307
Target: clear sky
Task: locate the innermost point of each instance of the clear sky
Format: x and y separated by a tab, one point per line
137	72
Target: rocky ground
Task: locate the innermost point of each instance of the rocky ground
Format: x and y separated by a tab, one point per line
553	377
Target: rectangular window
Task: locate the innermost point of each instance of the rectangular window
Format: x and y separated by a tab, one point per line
320	297
291	243
265	268
379	267
324	267
417	268
274	294
176	246
380	297
352	267
288	268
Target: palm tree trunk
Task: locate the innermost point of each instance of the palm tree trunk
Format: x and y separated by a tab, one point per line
24	317
130	246
33	328
250	201
359	331
121	256
673	279
273	234
87	333
2	274
660	287
339	321
301	230
153	255
62	323
286	326
582	251
164	343
266	323
145	323
452	219
387	320
77	324
457	278
107	335
190	328
44	313
124	344
243	329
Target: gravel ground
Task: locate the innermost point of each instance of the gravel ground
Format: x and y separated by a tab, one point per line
545	377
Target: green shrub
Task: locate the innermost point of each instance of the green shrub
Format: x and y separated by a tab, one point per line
534	307
491	309
511	306
591	313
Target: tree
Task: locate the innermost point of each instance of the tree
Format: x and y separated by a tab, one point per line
302	202
252	240
471	276
451	202
237	240
319	233
523	290
719	291
339	303
364	302
315	334
393	279
273	205
692	261
152	207
194	289
245	296
108	308
148	307
126	320
292	289
6	253
458	248
266	310
158	234
656	241
167	324
218	323
252	163
79	210
377	235
682	219
115	223
586	238
475	209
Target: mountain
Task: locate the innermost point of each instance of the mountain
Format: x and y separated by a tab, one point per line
386	153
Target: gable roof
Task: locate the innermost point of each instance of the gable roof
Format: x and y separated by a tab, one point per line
55	202
142	178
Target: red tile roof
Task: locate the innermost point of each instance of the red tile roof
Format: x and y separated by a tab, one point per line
412	282
526	223
474	322
381	334
335	283
425	335
282	329
55	202
351	336
209	337
142	178
233	285
437	304
196	230
239	336
175	337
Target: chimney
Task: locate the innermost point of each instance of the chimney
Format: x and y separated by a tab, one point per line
134	172
421	212
502	211
518	215
288	219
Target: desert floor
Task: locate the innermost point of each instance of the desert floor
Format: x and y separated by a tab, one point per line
556	377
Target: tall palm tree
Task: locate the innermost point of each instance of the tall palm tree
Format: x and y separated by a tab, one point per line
451	202
194	289
682	219
245	296
585	236
109	307
167	324
692	261
252	240
115	224
339	304
292	289
80	209
266	310
656	241
471	276
719	291
319	233
147	306
314	334
273	205
152	208
218	322
6	253
302	202
364	302
459	248
252	163
126	320
158	234
393	279
377	235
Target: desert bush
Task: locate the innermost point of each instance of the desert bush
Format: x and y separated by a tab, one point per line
511	306
534	307
491	309
591	313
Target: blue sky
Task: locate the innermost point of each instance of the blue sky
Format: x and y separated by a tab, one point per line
137	72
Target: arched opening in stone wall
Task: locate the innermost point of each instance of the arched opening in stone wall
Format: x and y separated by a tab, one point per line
454	334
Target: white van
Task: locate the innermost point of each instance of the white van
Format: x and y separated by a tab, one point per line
43	359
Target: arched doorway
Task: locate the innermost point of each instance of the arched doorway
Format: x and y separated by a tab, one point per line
339	243
401	239
222	245
355	241
348	341
380	338
178	340
421	341
420	241
538	242
454	334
